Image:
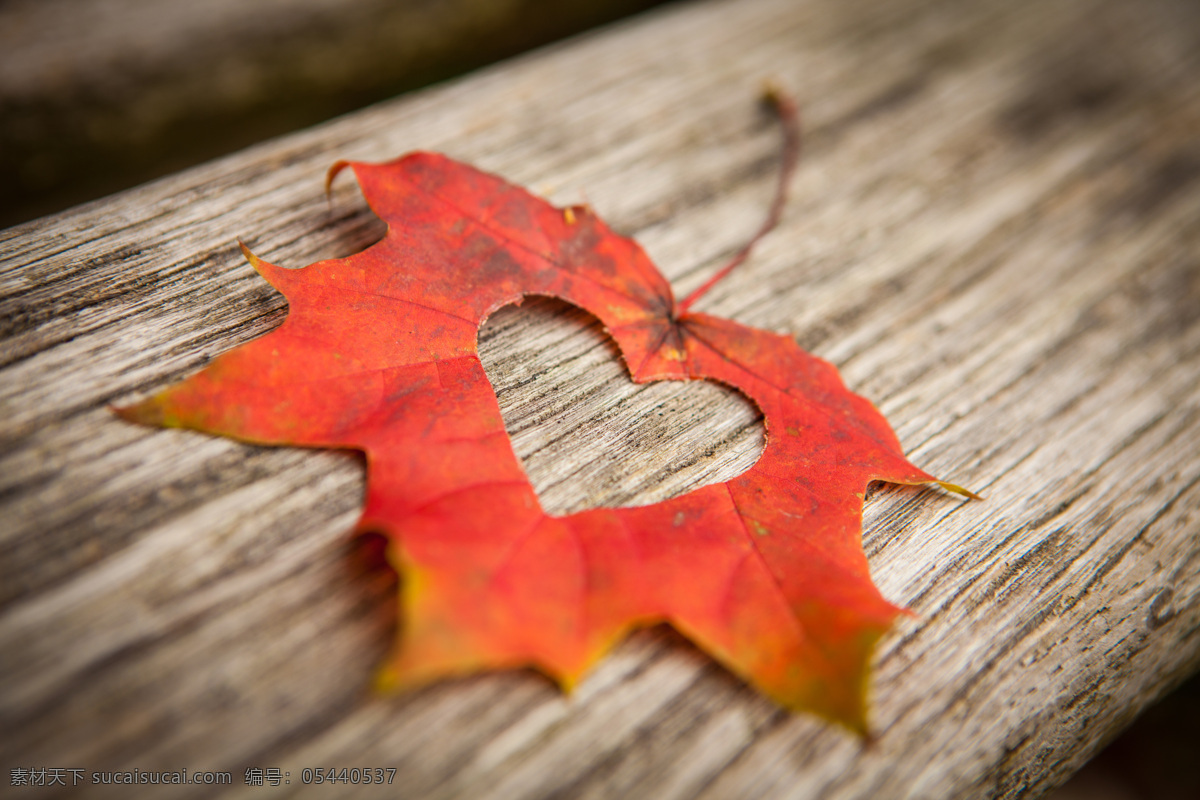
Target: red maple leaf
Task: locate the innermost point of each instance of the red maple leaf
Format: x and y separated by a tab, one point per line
765	572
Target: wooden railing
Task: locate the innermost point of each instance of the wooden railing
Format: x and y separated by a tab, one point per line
994	234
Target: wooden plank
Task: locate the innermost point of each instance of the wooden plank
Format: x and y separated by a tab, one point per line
993	235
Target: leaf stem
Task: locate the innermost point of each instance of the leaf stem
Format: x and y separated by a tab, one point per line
789	116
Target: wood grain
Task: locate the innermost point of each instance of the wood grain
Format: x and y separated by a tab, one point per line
994	235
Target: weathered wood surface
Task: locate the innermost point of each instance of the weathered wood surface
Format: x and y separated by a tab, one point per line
994	235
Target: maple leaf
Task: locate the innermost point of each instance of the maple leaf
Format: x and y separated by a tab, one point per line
378	352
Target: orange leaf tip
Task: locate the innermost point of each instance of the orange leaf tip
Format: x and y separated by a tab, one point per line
951	487
337	167
254	260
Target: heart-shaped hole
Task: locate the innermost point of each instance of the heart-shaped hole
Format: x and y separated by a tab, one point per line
586	434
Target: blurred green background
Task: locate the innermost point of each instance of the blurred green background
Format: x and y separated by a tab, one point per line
101	95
